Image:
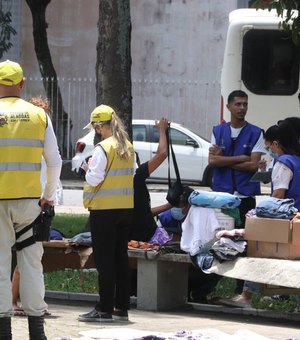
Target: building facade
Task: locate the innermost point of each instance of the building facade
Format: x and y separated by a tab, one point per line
177	53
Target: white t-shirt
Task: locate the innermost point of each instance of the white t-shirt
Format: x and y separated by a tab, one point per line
281	176
198	228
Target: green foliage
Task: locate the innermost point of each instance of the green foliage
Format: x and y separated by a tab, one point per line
70	224
287	9
280	306
226	287
76	281
6	30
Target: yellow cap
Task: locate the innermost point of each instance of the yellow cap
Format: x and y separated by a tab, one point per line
102	113
11	73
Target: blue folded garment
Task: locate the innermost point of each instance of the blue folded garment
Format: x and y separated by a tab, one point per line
202	261
276	208
207	199
83	239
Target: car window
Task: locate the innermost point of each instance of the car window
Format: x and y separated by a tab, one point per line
178	137
275	58
155	134
139	133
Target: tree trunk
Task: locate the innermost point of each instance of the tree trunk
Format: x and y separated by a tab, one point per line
113	66
48	73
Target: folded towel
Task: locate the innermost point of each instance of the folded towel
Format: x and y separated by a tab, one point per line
207	199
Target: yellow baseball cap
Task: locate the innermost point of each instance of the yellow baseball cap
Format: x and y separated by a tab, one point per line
11	73
102	113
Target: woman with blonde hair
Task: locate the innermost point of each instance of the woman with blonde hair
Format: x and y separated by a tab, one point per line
108	195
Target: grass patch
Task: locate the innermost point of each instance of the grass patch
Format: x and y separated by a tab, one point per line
279	306
70	224
226	286
69	280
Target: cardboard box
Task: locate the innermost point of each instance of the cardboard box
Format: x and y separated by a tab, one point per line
296	232
268	230
273	238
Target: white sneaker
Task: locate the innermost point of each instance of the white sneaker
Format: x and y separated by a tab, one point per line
236	301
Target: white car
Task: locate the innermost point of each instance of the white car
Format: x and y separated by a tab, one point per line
190	149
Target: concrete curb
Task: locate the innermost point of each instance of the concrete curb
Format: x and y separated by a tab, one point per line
246	311
82	297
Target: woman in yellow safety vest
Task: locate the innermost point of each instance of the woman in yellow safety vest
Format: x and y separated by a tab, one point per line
108	195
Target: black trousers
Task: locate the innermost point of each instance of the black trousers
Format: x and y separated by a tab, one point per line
201	284
247	204
110	232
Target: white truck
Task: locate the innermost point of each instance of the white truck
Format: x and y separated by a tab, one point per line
261	60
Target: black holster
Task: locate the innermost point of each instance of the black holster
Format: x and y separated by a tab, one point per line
41	228
42	224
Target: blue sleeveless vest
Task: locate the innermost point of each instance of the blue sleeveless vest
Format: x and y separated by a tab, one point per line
293	163
229	180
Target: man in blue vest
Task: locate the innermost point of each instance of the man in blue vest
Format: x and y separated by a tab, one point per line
235	155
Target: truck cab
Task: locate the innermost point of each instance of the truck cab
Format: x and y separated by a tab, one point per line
261	60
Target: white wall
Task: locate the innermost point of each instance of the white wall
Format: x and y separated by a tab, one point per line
177	53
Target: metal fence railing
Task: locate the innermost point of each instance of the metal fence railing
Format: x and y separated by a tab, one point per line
192	103
72	113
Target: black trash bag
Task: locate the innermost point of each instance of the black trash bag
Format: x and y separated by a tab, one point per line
174	193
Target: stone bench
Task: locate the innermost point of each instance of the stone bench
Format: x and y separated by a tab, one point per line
162	279
162	282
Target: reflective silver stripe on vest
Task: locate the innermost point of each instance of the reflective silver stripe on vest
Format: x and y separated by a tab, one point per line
120	172
20	166
21	142
108	192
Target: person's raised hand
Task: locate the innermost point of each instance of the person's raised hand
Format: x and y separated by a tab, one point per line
162	124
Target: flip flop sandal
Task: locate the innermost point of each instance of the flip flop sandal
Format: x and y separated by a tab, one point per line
46	313
19	312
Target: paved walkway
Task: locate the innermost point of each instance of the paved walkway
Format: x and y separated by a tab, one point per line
63	324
